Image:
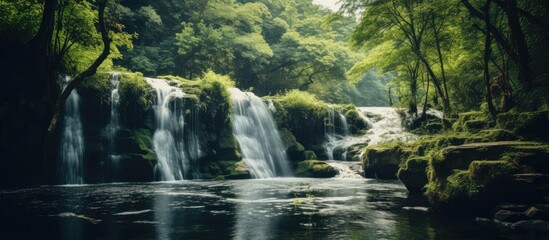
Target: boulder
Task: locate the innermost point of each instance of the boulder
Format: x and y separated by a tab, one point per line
459	157
413	174
538	226
509	216
383	161
315	169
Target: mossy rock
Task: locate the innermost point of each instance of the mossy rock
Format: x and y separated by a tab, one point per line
414	174
459	157
382	161
485	181
527	124
136	98
294	149
304	115
315	169
222	170
309	155
355	121
472	121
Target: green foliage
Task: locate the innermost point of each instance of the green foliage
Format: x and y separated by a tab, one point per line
135	98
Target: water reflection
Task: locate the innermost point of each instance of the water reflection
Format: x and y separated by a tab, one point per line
162	213
286	208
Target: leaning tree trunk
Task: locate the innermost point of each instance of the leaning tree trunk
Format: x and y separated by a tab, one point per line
52	138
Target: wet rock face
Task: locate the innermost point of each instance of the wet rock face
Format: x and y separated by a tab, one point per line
414	175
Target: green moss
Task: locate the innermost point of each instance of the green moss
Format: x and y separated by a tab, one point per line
310	155
315	168
304	115
472	121
136	98
97	87
143	138
482	180
355	121
293	148
527	124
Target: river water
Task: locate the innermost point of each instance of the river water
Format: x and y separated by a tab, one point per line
279	208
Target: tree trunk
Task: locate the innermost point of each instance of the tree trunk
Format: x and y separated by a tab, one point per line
51	143
520	44
424	112
487	53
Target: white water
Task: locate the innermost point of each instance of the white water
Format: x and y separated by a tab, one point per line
175	155
348	170
114	125
72	140
258	136
386	125
333	136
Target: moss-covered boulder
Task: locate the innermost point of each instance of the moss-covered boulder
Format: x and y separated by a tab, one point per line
355	121
304	116
294	149
315	169
382	161
136	99
532	125
473	121
414	174
459	157
222	170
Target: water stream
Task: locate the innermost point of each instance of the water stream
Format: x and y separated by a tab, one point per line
258	136
114	125
72	140
386	125
175	155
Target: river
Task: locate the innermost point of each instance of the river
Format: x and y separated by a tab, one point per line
275	208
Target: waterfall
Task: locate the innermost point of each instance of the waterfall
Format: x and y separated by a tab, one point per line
175	143
348	170
114	125
386	125
72	140
258	137
335	132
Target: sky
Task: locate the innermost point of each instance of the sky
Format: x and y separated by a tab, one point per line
331	4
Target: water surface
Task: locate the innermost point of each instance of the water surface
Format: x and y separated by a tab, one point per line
283	208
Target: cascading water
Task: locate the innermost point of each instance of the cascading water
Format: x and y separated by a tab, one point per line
175	155
114	126
348	170
258	136
333	136
72	140
386	125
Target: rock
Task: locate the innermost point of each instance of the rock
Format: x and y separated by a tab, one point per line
383	161
315	169
413	174
294	149
310	155
508	216
536	213
538	226
527	124
459	157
